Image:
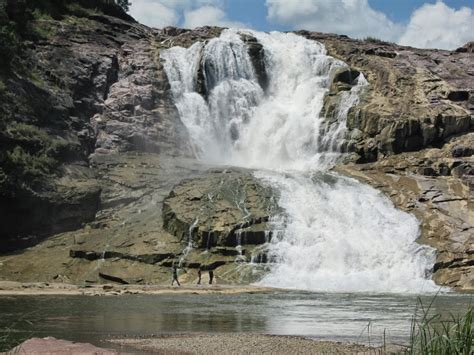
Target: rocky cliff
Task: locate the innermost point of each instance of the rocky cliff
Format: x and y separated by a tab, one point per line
93	154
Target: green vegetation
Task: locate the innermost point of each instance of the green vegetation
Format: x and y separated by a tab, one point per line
43	24
22	18
34	156
76	10
376	40
82	22
433	335
124	4
28	165
9	44
39	141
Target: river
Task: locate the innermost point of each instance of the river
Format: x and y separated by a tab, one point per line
350	317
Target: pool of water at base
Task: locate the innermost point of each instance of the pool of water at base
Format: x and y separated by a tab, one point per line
361	318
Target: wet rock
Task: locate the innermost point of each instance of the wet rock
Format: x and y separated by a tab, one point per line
260	258
253	232
458	95
427	171
462	151
174	31
346	76
94	255
344	79
218	209
257	55
467	48
381	52
112	278
228	251
462	170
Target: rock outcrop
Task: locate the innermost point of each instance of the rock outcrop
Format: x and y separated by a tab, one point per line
83	83
433	185
416	98
222	208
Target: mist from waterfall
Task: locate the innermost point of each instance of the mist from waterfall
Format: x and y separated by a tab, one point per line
335	234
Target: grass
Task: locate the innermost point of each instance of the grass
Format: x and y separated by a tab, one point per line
9	337
376	40
34	157
43	24
433	335
82	22
77	10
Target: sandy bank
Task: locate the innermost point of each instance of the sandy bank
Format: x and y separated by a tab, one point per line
200	343
241	343
11	288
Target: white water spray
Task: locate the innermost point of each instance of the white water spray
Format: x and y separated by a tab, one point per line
336	234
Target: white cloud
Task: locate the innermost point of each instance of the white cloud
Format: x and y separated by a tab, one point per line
154	13
439	26
208	15
430	26
351	17
162	13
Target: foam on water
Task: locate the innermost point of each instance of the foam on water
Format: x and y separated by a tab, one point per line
339	235
335	234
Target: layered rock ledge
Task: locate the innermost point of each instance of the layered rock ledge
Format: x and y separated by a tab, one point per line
443	203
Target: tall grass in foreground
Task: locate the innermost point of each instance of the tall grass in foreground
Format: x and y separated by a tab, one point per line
432	335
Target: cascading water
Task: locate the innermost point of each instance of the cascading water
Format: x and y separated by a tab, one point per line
335	234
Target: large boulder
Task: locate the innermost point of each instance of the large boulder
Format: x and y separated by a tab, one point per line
221	208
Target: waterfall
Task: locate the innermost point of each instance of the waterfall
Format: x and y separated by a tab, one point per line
335	234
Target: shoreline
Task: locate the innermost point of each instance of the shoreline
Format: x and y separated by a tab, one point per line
205	343
14	288
242	343
17	288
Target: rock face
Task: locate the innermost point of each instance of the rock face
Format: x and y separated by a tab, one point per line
416	98
84	83
257	55
93	152
127	241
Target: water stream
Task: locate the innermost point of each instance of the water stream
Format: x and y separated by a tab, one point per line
335	234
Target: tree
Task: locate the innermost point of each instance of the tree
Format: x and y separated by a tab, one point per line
124	4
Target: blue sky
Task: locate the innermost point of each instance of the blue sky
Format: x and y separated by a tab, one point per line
421	23
254	12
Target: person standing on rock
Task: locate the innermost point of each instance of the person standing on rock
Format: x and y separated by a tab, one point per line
175	275
211	276
199	276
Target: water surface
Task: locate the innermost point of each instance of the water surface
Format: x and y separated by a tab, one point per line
341	317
